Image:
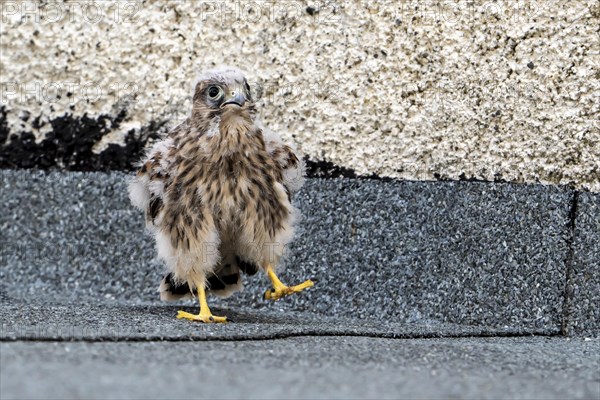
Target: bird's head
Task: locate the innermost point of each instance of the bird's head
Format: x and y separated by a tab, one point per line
221	90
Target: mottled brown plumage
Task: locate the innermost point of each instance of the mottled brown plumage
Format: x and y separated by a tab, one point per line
217	191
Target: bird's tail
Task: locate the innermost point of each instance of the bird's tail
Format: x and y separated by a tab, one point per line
225	281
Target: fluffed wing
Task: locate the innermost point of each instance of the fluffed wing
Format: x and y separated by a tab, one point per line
287	158
147	188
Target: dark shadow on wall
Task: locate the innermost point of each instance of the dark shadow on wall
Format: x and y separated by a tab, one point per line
69	146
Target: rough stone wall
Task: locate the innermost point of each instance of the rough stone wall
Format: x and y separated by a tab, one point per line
417	90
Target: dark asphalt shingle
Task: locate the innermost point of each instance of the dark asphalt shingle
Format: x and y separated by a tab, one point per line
479	254
584	288
106	321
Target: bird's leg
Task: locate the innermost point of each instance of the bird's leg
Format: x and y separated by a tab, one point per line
205	314
279	289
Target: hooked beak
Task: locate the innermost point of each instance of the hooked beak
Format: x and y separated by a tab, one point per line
236	97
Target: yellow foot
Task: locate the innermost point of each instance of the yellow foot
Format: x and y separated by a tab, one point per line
208	318
282	291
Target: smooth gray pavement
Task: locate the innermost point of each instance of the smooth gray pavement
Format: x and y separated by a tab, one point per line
305	367
465	253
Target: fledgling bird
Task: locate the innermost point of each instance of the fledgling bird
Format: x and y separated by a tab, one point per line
216	193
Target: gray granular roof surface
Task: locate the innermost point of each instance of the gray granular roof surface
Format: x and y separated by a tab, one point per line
424	290
584	288
125	322
305	368
482	254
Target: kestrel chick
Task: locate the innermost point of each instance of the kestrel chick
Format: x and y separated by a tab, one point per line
216	193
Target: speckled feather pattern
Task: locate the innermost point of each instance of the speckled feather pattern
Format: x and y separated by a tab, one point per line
216	193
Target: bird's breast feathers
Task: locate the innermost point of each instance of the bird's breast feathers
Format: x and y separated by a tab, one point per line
235	176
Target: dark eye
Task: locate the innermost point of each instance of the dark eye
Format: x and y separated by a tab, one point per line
214	92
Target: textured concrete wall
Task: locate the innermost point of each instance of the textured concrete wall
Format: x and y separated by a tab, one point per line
418	90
